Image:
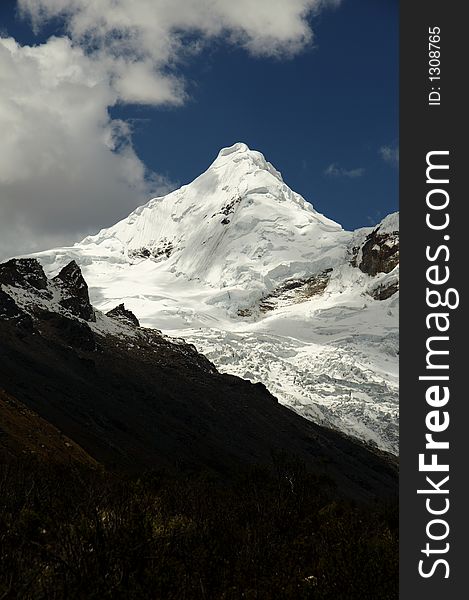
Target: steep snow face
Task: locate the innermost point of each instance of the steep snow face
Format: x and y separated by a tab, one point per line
265	286
237	224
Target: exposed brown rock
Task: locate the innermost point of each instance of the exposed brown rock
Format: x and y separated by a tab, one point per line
383	292
380	253
297	290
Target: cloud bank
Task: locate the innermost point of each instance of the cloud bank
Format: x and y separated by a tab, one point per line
66	167
64	164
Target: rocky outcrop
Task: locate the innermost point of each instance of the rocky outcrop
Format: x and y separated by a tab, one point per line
296	291
383	292
25	291
74	332
9	310
380	252
75	297
158	251
123	315
376	253
23	272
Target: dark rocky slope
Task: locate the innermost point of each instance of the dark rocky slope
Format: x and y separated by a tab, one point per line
134	399
25	435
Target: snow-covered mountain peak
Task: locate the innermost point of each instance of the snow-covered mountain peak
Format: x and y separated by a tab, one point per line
239	147
240	158
237	224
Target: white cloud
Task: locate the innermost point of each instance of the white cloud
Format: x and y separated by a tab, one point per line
155	27
139	40
333	170
66	167
390	154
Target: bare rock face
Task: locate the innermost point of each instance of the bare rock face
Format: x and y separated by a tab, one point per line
74	332
23	272
377	255
380	253
296	291
156	251
75	292
23	283
8	307
383	292
125	316
9	310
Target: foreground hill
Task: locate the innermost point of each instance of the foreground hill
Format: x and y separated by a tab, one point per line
134	399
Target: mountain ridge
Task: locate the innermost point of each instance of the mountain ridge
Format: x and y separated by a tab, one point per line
133	399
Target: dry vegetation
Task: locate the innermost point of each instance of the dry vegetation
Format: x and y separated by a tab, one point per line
71	532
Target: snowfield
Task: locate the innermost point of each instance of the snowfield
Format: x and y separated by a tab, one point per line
266	287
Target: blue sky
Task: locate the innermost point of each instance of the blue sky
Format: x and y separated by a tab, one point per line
327	117
334	104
